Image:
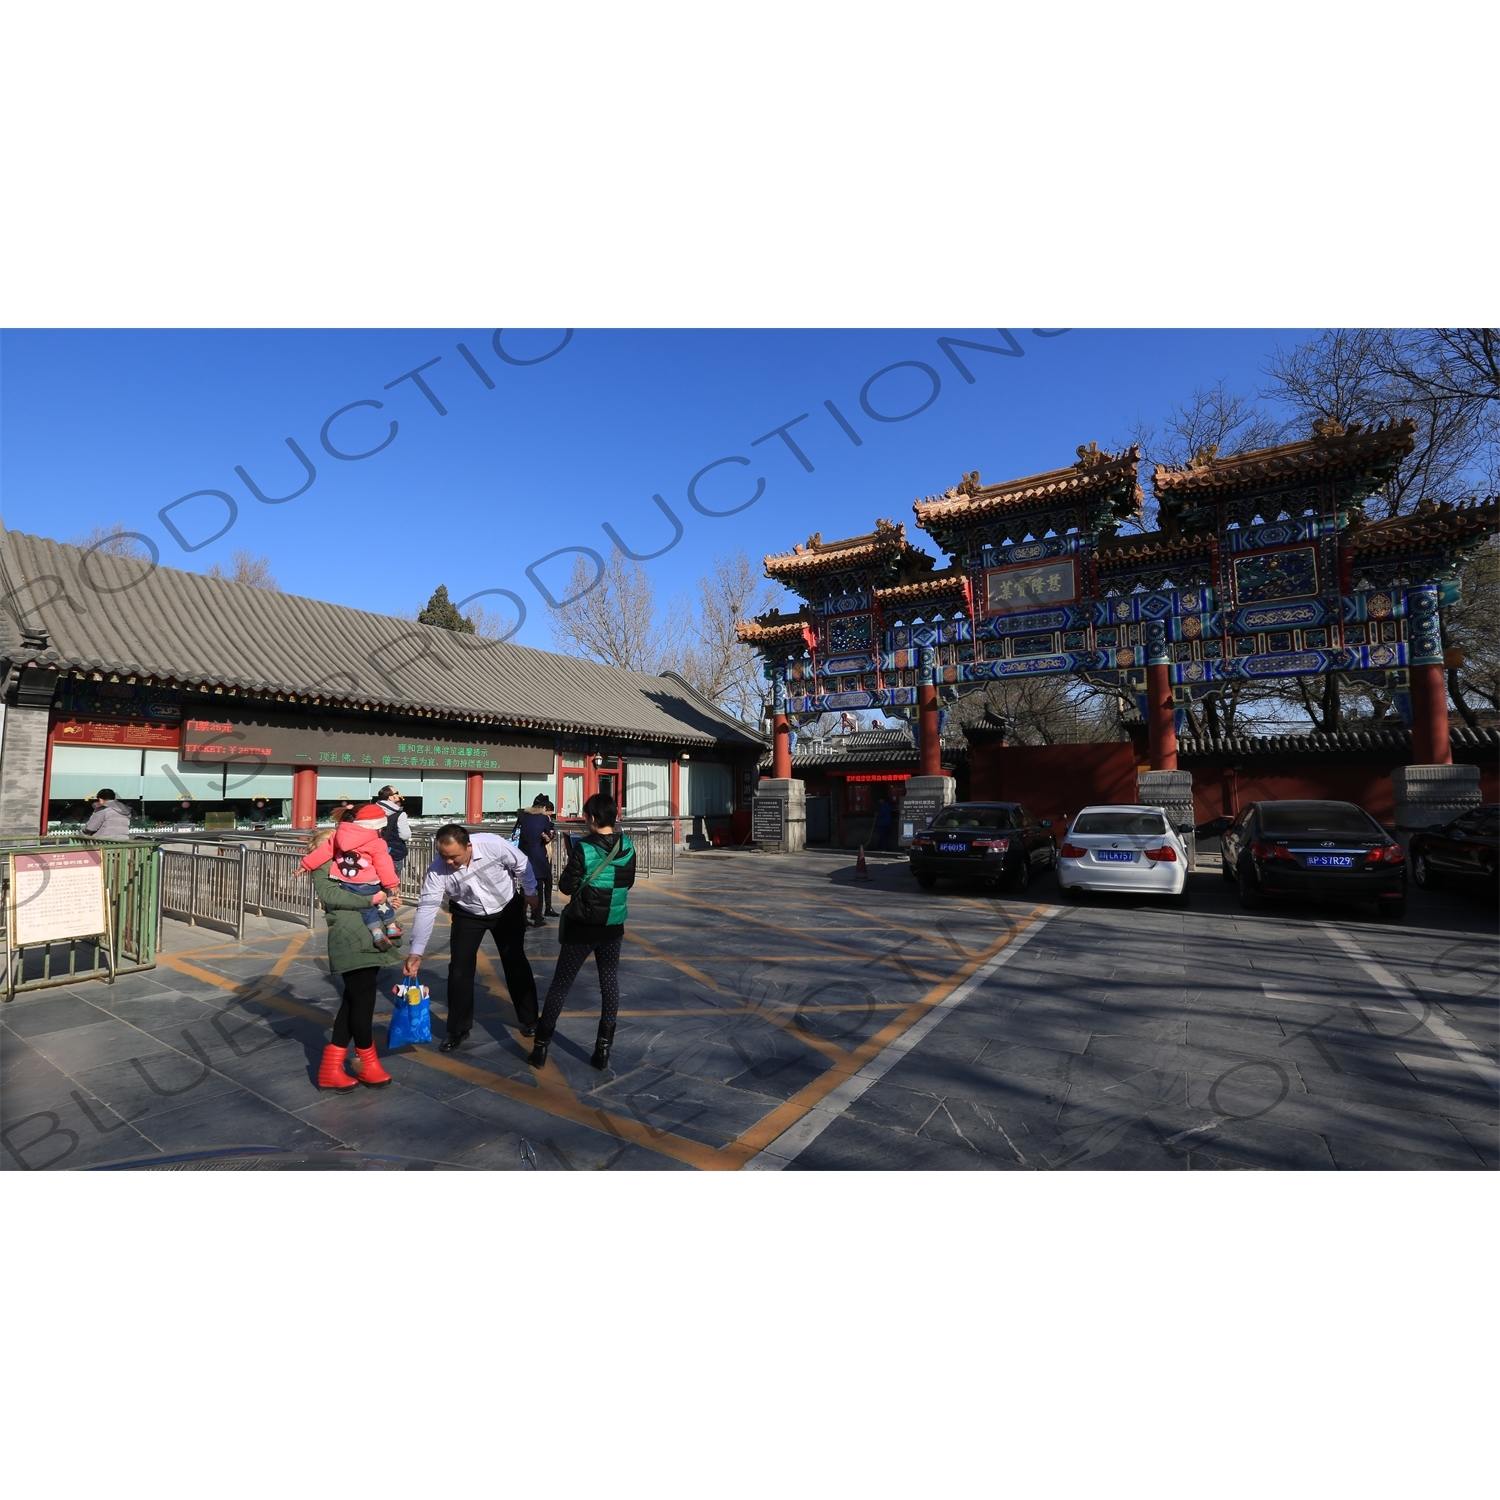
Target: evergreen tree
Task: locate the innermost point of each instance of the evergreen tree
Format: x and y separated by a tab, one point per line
443	612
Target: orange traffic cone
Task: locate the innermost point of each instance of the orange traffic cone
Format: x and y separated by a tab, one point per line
860	872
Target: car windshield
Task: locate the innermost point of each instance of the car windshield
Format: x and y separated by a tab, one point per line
1279	820
1120	822
973	817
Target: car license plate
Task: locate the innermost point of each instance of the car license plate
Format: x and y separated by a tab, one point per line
1124	856
954	848
1330	861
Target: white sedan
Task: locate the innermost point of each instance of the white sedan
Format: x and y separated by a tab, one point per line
1132	850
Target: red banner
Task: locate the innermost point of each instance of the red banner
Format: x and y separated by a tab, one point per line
98	732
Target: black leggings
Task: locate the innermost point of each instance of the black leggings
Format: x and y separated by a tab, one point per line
356	1015
570	960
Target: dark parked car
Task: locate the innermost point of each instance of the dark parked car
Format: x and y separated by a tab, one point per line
1333	851
1463	852
988	841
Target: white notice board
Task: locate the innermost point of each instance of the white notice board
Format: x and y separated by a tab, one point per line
56	895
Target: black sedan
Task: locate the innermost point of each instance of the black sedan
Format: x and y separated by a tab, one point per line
1465	852
1329	850
985	841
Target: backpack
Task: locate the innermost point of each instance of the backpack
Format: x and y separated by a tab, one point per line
393	840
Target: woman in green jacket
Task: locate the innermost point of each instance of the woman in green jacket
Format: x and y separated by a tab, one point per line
598	877
353	954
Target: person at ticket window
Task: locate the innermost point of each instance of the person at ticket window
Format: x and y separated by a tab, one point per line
110	818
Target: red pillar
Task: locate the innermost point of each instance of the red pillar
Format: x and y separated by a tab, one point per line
474	798
676	802
929	743
1430	743
305	797
781	748
1161	720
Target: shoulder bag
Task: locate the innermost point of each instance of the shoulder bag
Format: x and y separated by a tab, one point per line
588	880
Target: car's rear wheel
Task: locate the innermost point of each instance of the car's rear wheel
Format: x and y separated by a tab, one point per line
1021	876
927	882
1250	896
1424	874
1226	870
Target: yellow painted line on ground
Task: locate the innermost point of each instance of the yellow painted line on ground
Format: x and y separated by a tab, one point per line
793	932
289	955
784	1116
680	965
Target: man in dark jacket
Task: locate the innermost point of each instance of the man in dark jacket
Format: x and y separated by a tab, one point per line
110	818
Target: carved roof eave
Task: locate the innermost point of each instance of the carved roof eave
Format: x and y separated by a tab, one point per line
1286	465
1153	546
945	585
1445	525
753	633
885	546
1113	480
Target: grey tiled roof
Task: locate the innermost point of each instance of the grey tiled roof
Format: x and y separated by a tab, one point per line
111	614
865	747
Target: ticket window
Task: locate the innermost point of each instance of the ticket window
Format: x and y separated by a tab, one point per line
860	799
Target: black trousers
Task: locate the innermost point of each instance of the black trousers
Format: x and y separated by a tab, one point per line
356	1017
509	930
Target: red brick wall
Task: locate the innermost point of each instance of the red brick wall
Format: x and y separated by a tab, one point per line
1053	781
1056	780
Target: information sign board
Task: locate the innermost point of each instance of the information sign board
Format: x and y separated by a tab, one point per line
768	821
57	894
917	811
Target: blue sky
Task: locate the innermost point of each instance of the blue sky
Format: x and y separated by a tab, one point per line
106	426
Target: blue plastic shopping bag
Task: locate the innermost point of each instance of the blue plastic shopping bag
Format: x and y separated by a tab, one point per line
411	1021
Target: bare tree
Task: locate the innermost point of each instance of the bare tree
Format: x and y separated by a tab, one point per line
1472	627
1046	710
716	663
114	541
1371	375
246	568
615	620
490	624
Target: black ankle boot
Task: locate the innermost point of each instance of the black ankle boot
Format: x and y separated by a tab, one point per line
538	1058
602	1045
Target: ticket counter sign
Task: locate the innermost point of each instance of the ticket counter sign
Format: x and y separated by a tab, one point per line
56	895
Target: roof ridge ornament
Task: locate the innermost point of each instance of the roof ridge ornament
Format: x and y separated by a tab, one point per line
1092	455
1205	458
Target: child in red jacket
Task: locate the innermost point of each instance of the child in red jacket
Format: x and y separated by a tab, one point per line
362	865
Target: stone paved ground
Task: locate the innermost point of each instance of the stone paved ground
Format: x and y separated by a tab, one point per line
778	1013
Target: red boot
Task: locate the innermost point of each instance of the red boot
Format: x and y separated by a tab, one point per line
370	1073
331	1074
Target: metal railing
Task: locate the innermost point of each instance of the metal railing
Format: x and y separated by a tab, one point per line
132	886
203	883
276	884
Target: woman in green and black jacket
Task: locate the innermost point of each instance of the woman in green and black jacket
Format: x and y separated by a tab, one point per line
598	877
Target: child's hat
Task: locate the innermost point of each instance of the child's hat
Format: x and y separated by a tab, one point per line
370	816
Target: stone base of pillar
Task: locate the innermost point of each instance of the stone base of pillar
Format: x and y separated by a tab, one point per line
1172	791
778	819
1426	795
926	797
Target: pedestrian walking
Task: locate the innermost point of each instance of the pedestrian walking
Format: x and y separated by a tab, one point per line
397	833
353	956
360	862
534	832
110	818
885	820
490	885
598	877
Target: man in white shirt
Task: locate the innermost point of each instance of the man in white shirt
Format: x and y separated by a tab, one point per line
489	885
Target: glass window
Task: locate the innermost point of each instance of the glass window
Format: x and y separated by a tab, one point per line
257	781
81	770
533	787
973	818
709	788
1306	819
572	797
573	759
444	796
502	794
354	786
1129	824
168	779
1022	818
648	789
